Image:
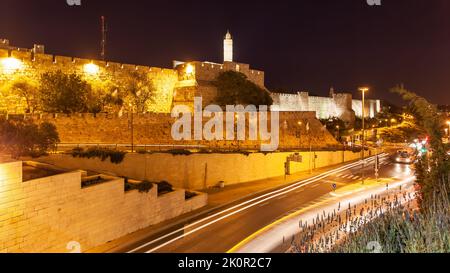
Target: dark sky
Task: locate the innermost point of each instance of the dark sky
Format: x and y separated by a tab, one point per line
301	45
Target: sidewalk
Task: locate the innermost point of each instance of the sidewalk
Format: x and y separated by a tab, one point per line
217	198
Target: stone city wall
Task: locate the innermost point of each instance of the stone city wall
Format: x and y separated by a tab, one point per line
341	105
155	129
45	215
33	65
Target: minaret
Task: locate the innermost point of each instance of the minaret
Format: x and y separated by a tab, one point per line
228	48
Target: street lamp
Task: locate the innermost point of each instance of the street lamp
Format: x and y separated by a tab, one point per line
132	127
299	134
448	123
363	92
10	65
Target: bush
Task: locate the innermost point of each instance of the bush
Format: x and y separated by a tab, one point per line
144	186
189	195
234	88
179	152
116	157
25	138
92	182
164	187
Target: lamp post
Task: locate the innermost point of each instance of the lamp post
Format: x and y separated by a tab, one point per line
310	147
299	134
363	91
448	130
132	127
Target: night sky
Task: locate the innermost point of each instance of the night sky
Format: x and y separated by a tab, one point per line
301	45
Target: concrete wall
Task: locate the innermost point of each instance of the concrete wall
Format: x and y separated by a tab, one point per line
44	215
200	171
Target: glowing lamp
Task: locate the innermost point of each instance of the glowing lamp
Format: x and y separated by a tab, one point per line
189	69
11	65
91	69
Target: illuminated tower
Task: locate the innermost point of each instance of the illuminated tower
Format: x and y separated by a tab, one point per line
228	48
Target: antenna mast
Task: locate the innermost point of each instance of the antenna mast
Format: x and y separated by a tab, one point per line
103	44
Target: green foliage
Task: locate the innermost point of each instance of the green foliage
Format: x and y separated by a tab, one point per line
407	132
25	138
93	181
179	152
432	170
142	187
402	231
189	195
24	88
164	187
235	89
116	157
63	93
136	90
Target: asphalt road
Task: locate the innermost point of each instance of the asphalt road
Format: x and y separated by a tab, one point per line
219	231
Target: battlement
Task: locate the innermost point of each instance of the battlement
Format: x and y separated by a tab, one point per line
29	57
207	71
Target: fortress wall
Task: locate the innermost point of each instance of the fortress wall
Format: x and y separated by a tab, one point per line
209	71
156	128
36	64
44	215
372	107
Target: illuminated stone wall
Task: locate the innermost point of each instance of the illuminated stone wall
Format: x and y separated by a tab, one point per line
340	105
199	76
33	65
172	85
155	129
44	215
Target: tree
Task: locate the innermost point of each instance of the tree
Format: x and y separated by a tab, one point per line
234	88
64	93
25	88
25	138
432	170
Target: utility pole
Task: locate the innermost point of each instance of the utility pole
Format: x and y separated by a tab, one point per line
363	91
310	147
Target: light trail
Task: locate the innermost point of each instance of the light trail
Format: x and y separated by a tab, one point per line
267	239
270	195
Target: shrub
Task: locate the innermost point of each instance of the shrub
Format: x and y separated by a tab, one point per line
179	152
164	187
144	186
91	182
116	157
189	195
25	138
234	88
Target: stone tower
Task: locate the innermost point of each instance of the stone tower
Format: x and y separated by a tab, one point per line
228	48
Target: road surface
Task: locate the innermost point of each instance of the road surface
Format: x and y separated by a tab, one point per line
219	231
